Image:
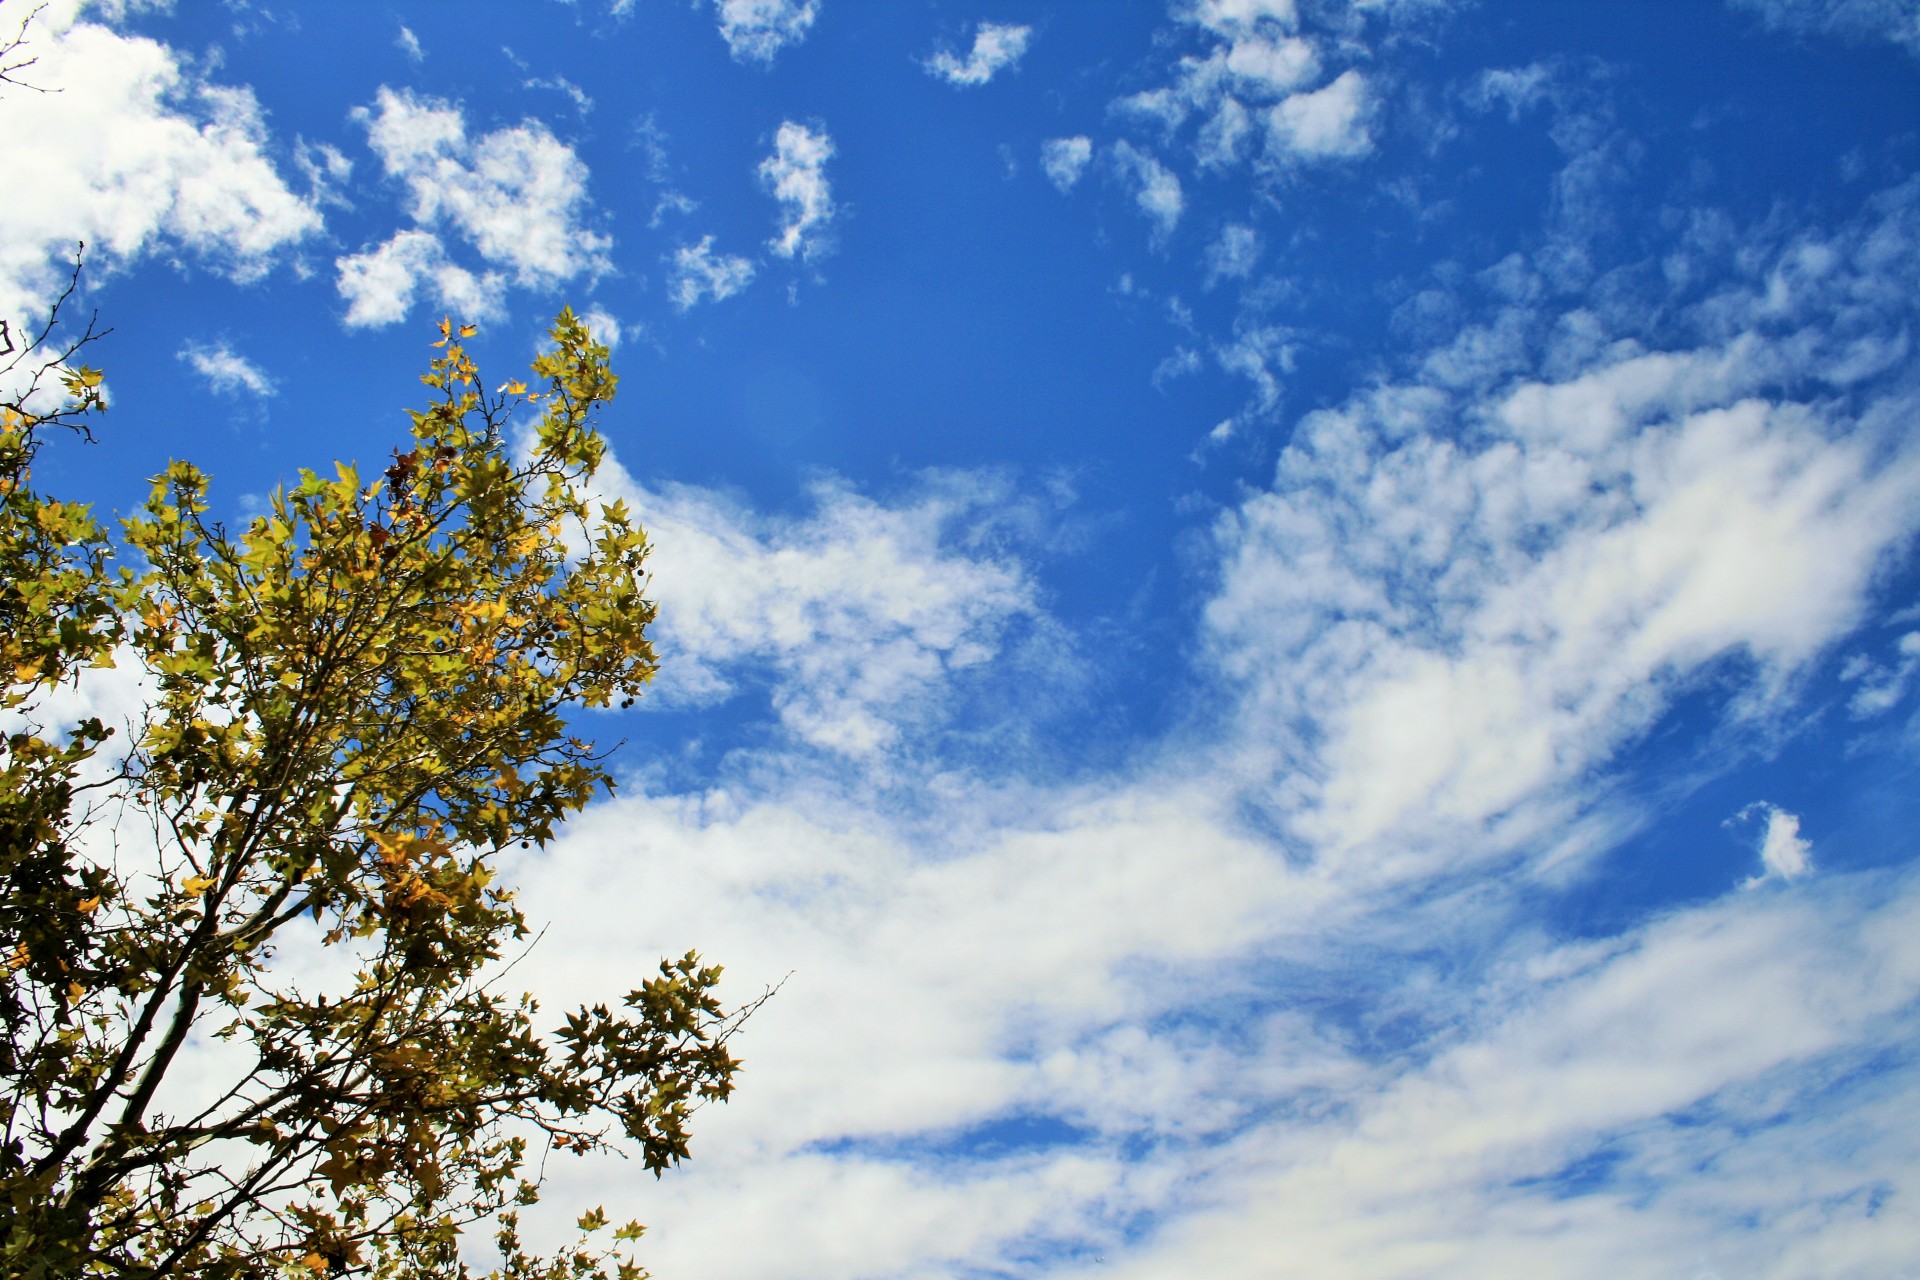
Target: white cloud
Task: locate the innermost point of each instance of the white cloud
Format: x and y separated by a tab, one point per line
1893	20
699	273
517	196
1064	160
134	154
1156	188
380	283
996	46
560	84
1784	853
795	174
1519	88
1328	123
1618	1111
1467	599
859	616
1881	688
227	372
1237	17
408	43
1234	254
605	327
758	29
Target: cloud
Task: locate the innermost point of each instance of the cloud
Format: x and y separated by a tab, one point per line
1519	88
380	283
605	327
756	30
795	174
1233	255
996	46
1455	630
858	617
1881	688
1328	123
134	154
1618	1110
408	43
1064	160
1784	853
560	84
1890	20
227	372
698	273
1156	189
516	196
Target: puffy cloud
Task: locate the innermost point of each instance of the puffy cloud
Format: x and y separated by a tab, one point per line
134	154
1784	853
699	273
516	196
756	30
380	283
1064	160
1156	188
227	372
1328	123
996	46
605	327
796	176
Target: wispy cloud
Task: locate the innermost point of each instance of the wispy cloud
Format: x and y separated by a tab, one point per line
1156	189
796	176
1891	20
996	46
226	371
701	274
409	44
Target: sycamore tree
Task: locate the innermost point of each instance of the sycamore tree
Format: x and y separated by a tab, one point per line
252	939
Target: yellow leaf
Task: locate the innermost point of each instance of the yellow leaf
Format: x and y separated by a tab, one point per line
194	886
314	1262
87	906
18	958
75	991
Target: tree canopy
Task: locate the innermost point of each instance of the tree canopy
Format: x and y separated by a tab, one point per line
353	706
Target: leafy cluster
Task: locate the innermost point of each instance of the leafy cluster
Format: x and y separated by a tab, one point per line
354	705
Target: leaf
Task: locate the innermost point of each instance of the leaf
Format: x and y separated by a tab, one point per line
194	886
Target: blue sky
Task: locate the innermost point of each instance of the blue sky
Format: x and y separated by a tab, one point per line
1292	621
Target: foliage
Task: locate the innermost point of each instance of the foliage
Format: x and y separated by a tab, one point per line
354	706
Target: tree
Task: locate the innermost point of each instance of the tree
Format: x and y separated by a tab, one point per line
357	703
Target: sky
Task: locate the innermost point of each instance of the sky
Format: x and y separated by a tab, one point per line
1289	625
